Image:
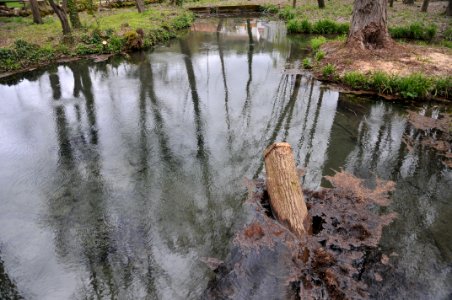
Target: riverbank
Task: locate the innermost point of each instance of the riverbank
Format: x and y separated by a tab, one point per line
26	45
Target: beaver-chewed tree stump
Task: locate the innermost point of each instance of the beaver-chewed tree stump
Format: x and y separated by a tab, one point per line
283	185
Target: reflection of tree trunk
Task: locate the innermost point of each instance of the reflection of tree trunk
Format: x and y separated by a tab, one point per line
62	16
202	152
35	11
294	94
89	98
8	290
247	104
311	134
287	108
65	150
225	84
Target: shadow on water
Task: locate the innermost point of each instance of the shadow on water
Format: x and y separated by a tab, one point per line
117	178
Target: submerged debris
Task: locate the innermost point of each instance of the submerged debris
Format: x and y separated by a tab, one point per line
267	261
434	132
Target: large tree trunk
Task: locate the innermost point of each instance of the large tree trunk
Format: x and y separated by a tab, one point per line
140	5
284	189
62	16
73	14
35	11
369	28
449	8
321	3
425	5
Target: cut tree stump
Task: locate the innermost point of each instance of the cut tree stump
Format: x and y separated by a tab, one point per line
284	188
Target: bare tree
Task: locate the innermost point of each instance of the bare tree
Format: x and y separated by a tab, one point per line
140	5
35	11
425	5
369	27
62	16
321	3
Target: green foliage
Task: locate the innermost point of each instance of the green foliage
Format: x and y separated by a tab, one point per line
287	13
83	49
133	40
356	80
182	21
415	31
328	70
307	63
115	44
270	8
317	42
319	55
324	26
448	35
412	86
383	82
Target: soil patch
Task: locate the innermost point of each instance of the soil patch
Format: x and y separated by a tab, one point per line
398	60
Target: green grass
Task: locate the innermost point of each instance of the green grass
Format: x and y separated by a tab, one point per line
317	42
415	31
324	26
414	86
113	32
328	70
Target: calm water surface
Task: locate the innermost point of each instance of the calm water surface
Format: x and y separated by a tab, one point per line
117	177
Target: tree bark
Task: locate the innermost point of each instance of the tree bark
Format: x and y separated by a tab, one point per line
286	197
449	9
408	2
294	3
62	16
391	3
35	11
425	5
321	3
369	27
140	5
73	14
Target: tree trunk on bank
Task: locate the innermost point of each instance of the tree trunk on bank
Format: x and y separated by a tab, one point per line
408	2
425	5
283	184
62	16
140	5
35	11
369	27
449	9
73	14
321	3
294	3
391	3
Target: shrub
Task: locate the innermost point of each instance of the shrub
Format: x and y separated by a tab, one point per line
443	87
356	80
319	55
325	26
317	42
383	82
133	40
328	70
307	63
448	35
413	86
415	31
287	13
270	8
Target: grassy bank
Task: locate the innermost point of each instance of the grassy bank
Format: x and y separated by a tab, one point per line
410	85
26	44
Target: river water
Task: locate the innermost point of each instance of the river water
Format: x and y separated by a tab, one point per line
117	177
